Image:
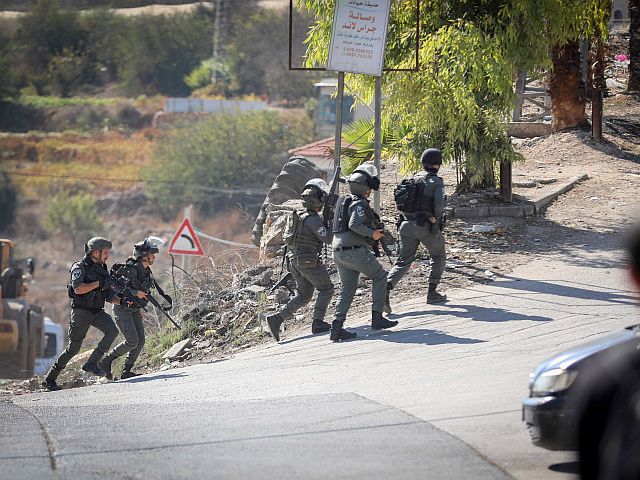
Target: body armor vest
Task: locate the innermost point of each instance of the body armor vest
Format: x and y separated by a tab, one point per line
301	241
93	300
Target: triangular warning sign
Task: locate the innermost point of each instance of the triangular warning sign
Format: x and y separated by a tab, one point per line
185	241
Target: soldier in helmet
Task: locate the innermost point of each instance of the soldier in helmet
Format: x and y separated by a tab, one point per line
88	289
423	225
136	272
352	235
305	234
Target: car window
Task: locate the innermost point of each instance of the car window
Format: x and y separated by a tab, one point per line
50	346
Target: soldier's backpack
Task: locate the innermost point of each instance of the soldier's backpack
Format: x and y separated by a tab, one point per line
408	195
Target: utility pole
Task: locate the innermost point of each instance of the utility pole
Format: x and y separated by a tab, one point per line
218	21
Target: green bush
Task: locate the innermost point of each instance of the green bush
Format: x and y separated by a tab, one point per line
199	160
45	101
200	76
76	215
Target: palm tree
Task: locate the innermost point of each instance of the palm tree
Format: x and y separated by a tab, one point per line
566	88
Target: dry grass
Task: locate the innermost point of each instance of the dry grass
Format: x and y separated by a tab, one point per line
43	160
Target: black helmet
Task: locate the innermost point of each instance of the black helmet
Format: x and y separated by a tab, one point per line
430	157
147	246
97	243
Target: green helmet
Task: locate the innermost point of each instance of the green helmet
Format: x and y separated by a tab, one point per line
97	243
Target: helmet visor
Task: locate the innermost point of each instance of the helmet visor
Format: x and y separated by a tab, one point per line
155	242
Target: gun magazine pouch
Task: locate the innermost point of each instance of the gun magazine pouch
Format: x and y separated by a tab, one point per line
305	260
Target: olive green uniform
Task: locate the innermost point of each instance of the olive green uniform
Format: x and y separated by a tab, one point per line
416	229
307	269
352	255
129	318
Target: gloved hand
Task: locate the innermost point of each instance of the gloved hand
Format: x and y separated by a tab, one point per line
106	282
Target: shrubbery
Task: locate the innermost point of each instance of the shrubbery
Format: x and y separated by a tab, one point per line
58	51
74	215
200	160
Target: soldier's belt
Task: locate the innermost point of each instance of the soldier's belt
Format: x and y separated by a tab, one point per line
340	249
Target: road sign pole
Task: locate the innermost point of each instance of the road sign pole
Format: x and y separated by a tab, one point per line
186	260
377	143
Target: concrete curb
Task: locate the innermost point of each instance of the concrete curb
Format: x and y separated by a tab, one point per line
541	202
532	207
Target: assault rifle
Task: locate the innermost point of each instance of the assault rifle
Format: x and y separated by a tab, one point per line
283	282
122	288
380	246
331	198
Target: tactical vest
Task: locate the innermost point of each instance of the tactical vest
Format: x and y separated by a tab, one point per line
93	300
341	217
136	277
295	237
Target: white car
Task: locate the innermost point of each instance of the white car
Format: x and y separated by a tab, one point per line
53	346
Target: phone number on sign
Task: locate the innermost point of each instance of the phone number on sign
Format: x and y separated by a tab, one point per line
358	52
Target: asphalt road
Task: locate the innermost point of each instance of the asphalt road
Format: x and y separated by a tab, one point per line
438	397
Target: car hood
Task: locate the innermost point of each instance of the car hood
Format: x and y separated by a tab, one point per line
575	355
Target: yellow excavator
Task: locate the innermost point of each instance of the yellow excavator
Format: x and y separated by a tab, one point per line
21	323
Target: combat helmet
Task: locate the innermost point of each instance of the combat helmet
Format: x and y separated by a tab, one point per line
313	193
431	157
363	178
148	246
97	243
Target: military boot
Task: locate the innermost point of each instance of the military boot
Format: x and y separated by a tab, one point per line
339	334
387	301
127	373
50	384
320	326
378	322
92	367
105	366
273	322
433	296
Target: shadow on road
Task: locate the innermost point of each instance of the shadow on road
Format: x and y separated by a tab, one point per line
145	378
423	336
566	289
473	312
566	467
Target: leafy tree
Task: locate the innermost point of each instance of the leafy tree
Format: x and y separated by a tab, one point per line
103	28
200	162
76	215
8	76
259	56
52	45
154	53
8	200
462	96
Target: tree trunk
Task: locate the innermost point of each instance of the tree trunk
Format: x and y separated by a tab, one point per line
634	46
566	88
